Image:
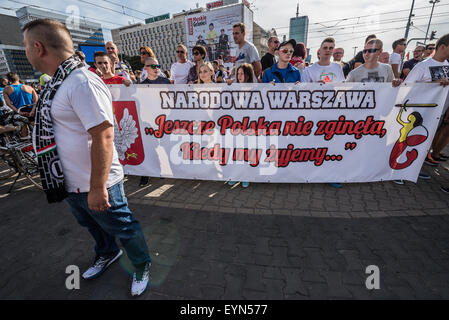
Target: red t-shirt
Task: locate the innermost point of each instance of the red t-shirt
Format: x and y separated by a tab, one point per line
114	80
295	60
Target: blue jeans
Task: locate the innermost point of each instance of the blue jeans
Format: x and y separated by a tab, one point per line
118	221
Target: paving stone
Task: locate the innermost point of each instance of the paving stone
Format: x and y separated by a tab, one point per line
270	241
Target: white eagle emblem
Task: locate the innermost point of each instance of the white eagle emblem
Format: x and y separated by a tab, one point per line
126	135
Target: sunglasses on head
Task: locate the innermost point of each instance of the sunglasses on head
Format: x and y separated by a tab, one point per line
153	66
370	50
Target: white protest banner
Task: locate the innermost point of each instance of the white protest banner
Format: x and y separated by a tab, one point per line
347	132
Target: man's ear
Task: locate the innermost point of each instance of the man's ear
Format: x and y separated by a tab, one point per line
40	49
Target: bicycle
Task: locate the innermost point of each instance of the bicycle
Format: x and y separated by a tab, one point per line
17	155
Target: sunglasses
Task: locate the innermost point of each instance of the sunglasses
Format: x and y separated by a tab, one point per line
287	51
370	50
143	53
276	41
153	66
433	48
196	53
178	51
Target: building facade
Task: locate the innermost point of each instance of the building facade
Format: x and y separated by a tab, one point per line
12	52
13	59
299	29
82	30
261	37
161	36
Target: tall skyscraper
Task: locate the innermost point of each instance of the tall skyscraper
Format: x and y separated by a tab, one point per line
299	27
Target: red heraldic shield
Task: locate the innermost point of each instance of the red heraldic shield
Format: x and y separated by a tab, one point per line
127	137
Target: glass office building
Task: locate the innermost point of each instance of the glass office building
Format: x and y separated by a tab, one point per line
299	28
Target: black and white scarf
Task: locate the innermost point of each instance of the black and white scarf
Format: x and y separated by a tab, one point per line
50	168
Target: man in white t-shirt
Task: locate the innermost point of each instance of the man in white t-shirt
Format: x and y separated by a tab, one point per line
180	69
324	70
428	71
246	52
84	156
396	57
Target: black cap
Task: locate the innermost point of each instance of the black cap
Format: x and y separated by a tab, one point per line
291	41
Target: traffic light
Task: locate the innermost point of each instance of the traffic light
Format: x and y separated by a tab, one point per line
432	35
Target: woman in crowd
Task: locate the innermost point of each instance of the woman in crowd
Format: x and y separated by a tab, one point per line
206	73
199	54
299	56
145	52
152	69
245	74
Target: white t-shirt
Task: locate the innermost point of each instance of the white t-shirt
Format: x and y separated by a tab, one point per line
180	71
421	71
82	102
395	58
330	73
246	54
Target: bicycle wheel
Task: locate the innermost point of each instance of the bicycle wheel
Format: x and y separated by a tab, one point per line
30	169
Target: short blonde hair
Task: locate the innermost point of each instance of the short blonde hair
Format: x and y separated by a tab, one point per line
151	59
379	44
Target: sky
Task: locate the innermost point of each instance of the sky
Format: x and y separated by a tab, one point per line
348	21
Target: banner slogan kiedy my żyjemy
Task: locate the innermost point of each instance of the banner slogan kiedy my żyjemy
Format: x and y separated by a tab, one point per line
294	133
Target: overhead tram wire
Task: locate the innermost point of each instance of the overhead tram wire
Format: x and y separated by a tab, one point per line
361	29
390	20
122	6
106	8
65	13
358	17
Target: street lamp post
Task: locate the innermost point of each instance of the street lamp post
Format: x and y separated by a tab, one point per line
433	2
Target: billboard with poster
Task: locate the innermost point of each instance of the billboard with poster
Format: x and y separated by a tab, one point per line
213	30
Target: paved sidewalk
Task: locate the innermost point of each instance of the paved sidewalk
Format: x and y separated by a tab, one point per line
269	241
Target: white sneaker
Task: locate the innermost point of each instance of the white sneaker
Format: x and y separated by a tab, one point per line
100	265
400	182
140	281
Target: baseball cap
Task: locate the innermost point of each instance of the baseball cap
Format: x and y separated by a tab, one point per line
291	41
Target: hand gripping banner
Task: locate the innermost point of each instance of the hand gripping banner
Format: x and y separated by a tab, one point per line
348	132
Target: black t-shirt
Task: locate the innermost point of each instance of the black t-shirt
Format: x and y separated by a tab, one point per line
359	57
267	61
159	80
410	64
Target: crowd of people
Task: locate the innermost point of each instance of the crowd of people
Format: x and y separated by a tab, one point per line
285	62
73	136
